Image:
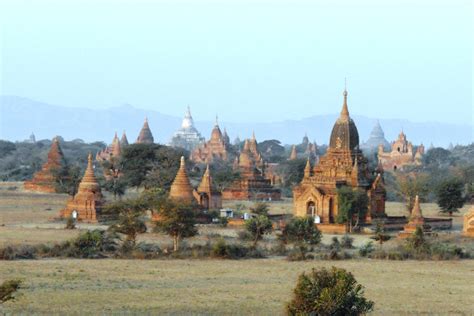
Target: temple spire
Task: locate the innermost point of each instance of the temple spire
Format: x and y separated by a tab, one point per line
416	211
307	169
345	110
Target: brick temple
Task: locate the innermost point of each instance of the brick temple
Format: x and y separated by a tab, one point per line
401	154
342	165
253	183
45	180
86	205
214	149
145	136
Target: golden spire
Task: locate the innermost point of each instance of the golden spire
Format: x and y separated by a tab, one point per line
345	110
416	211
293	154
181	187
206	181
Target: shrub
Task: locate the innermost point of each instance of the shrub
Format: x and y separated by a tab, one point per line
328	292
257	227
7	290
232	251
18	252
70	224
366	249
335	244
346	242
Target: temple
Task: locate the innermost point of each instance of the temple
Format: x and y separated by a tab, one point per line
215	149
401	154
87	204
468	228
124	140
187	137
181	189
145	136
376	138
342	165
45	179
253	183
112	151
206	195
293	154
415	220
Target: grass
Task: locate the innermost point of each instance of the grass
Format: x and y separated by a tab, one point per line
256	287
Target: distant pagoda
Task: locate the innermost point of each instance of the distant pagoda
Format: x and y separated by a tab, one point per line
187	137
376	138
110	152
145	136
86	205
45	179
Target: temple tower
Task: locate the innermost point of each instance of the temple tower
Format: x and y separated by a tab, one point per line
181	188
145	136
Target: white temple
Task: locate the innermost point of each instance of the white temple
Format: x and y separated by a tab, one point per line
187	137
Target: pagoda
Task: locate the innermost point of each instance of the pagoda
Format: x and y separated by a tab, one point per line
124	140
294	154
416	220
342	165
145	136
45	179
206	196
214	149
253	183
187	137
468	228
110	152
181	188
86	205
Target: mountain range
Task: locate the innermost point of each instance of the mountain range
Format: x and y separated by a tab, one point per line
19	117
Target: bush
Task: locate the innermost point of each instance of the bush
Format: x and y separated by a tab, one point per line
70	224
346	242
366	249
232	251
7	290
328	292
335	244
18	252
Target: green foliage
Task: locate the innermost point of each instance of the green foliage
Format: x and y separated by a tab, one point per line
176	219
301	230
260	208
438	157
291	172
8	289
230	251
150	165
6	148
258	226
411	185
352	203
346	242
380	235
328	292
116	186
366	249
450	195
223	175
417	241
67	179
130	219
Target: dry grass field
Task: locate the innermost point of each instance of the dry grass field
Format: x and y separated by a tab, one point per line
223	287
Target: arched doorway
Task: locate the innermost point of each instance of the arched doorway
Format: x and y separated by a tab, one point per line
204	201
311	208
331	211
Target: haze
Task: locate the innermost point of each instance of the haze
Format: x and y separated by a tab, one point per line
248	61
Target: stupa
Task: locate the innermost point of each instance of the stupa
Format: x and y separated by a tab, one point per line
45	179
187	137
145	136
416	220
181	188
87	204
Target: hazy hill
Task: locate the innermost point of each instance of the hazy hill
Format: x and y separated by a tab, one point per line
20	116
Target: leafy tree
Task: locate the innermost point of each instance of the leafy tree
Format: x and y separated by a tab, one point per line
8	289
380	234
450	196
351	203
411	185
67	179
291	171
438	157
130	219
6	148
302	232
260	208
328	292
116	186
223	175
258	226
137	162
176	219
417	241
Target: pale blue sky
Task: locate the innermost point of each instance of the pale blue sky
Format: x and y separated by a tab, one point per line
245	60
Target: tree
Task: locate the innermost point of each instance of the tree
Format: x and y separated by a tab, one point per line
258	226
176	219
411	185
67	179
130	219
380	235
449	196
351	204
116	186
260	208
302	232
7	290
328	292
